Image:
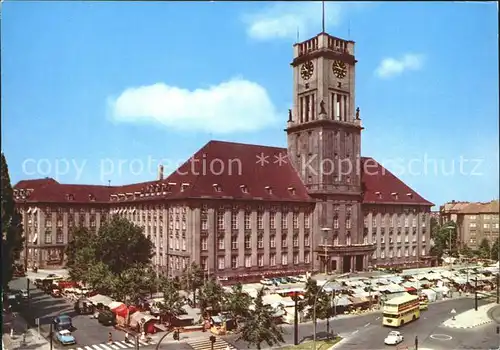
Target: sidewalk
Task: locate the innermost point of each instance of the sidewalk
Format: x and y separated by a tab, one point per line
34	341
471	318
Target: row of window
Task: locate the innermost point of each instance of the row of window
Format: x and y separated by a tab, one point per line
484	216
381	254
487	226
394	221
221	242
220	214
221	261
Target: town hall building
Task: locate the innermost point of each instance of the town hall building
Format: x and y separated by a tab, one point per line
247	211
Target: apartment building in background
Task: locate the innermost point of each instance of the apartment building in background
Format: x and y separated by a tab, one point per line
475	221
246	211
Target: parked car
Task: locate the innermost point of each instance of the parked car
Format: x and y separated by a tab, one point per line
84	307
63	322
106	318
393	338
266	282
56	293
24	293
65	337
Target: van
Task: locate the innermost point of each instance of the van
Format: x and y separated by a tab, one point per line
106	318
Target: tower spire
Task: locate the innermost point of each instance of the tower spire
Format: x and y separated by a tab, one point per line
323	16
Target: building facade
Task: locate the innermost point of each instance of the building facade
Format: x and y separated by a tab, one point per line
247	211
475	221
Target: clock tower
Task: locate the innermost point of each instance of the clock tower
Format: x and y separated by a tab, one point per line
324	144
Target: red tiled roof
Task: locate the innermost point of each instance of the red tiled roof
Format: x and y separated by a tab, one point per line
381	186
227	170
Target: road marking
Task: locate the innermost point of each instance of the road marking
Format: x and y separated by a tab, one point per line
378	318
441	337
121	345
356	331
95	346
88	348
366	325
106	347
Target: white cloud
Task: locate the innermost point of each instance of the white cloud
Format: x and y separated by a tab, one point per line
391	67
282	20
237	105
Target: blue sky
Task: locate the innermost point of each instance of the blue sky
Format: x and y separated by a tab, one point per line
91	84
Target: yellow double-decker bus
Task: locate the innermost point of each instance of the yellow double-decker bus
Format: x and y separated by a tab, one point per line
401	310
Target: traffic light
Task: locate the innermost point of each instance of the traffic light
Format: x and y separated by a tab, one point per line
212	339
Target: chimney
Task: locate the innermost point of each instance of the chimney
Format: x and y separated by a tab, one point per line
160	172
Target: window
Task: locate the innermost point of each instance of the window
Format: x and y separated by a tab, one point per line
423	238
414	252
204	224
272	241
247	221
365	222
423	251
234	262
248	261
472	217
374	255
407	253
234	220
260	260
472	225
391	254
365	239
335	222
307	258
59	236
272	259
414	222
406	238
399	252
348	239
295	240
307	220
295	219
335	239
284	222
260	221
284	259
220	219
204	263
296	258
247	242
382	254
406	222
382	239
486	225
260	242
374	222
48	237
399	238
220	262
284	241
204	243
348	223
234	242
307	243
496	225
272	220
183	243
487	216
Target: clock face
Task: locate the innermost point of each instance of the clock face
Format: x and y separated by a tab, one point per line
339	69
307	69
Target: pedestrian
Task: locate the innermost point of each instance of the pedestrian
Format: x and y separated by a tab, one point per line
110	338
126	337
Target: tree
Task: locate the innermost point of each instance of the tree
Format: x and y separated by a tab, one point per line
484	249
121	245
80	253
467	252
192	279
238	303
494	250
260	327
172	302
443	238
324	309
211	297
12	229
311	290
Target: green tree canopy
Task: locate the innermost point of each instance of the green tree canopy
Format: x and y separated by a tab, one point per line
484	249
172	302
115	262
212	296
12	229
238	302
444	237
494	250
260	326
193	279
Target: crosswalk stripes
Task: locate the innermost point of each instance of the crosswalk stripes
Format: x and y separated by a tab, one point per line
116	345
205	344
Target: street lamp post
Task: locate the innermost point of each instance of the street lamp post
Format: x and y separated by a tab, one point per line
325	231
314	306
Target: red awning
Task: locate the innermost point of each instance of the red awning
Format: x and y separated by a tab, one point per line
121	310
410	289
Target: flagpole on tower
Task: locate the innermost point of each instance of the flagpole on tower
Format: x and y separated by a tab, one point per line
323	15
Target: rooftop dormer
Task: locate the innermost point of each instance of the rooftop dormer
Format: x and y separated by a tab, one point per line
244	188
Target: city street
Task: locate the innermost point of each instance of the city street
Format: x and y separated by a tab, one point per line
367	332
87	331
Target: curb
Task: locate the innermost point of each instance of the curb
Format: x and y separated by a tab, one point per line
337	344
468	327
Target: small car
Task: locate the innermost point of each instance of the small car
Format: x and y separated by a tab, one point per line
63	322
65	337
393	338
56	293
266	282
24	293
106	318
